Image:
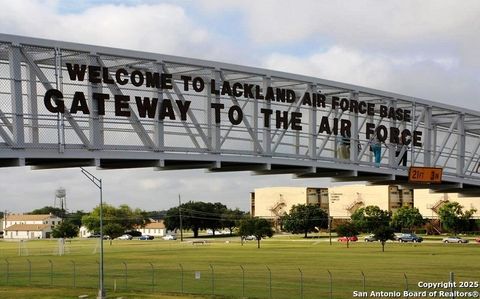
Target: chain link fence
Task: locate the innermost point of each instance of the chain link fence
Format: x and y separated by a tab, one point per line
237	281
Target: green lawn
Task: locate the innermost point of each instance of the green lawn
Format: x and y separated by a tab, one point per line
285	256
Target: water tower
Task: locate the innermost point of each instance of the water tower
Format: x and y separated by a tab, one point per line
60	199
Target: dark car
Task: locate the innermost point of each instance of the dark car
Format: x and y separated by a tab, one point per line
146	237
410	238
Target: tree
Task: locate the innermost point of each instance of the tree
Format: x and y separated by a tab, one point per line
76	217
382	234
369	218
454	218
196	216
407	218
230	218
115	218
65	229
258	227
113	230
305	219
348	229
49	210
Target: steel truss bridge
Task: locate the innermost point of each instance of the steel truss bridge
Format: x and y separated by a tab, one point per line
31	135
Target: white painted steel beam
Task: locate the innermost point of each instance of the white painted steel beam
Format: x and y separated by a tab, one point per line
29	133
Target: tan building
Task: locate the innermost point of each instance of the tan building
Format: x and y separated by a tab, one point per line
429	203
274	202
342	201
345	200
22	226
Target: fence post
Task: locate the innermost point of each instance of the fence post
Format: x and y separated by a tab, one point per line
213	280
363	280
181	277
153	277
301	283
331	284
51	272
8	269
452	284
270	283
29	272
74	275
243	281
126	275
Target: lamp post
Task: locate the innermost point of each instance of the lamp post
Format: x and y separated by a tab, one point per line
98	183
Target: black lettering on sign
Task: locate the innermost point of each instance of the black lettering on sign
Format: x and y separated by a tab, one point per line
57	97
79	103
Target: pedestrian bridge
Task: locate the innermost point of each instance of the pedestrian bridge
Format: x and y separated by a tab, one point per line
66	105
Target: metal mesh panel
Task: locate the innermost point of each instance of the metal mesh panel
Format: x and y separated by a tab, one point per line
27	123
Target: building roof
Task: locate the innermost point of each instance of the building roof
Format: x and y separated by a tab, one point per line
27	227
27	217
159	224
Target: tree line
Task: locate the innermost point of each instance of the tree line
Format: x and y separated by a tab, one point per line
301	219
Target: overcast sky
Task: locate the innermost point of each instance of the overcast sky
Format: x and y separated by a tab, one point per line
426	49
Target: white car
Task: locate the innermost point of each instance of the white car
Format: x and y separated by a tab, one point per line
169	237
125	237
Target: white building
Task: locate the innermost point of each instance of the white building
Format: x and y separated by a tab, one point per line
22	226
154	228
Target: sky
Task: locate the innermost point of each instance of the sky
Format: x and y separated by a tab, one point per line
421	48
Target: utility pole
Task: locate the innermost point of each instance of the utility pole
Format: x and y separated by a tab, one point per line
180	215
98	182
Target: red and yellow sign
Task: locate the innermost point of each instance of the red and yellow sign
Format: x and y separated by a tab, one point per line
425	175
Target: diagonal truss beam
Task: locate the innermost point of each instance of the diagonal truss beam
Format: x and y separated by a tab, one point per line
43	79
445	140
6	121
470	160
249	128
195	122
283	132
133	119
8	140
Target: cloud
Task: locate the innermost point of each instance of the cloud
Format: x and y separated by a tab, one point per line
161	28
424	48
434	78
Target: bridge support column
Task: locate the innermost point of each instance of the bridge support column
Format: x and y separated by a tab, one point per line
159	129
427	145
18	125
312	134
267	134
95	120
461	145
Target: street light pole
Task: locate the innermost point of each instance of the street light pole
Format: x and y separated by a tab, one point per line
98	183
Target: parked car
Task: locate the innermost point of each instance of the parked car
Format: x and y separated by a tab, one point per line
169	237
454	239
146	237
410	238
345	239
396	236
477	240
125	237
370	238
249	238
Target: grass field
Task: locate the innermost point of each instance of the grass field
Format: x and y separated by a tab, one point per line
298	267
